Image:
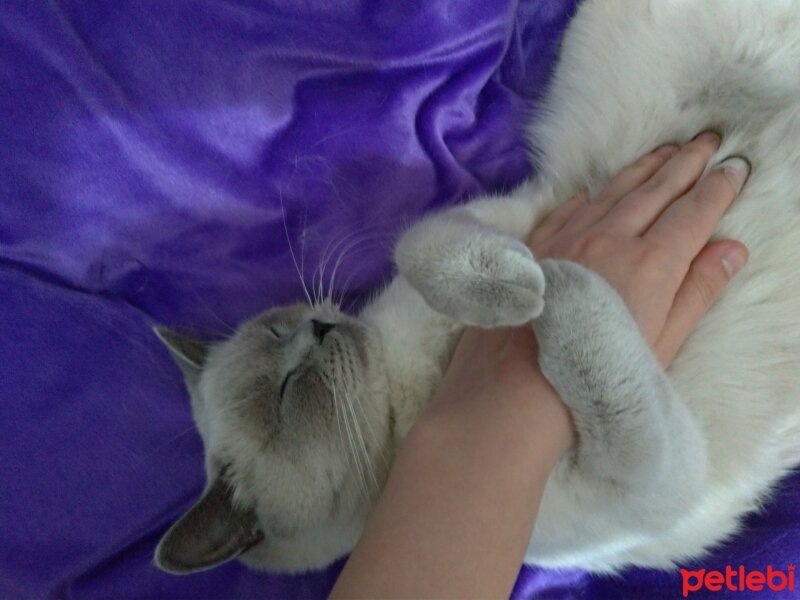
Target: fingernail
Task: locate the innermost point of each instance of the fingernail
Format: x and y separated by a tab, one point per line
736	169
712	137
733	260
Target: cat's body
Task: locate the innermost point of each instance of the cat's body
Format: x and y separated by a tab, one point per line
687	464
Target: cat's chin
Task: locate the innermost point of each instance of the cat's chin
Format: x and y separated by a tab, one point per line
315	552
285	567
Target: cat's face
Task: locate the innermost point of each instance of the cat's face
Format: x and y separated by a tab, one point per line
293	414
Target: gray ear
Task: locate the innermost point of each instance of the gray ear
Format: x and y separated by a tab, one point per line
212	532
189	353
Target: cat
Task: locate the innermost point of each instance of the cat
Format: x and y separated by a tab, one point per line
304	407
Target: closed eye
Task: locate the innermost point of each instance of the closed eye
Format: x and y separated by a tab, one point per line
275	332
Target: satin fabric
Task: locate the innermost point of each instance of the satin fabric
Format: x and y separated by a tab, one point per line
190	164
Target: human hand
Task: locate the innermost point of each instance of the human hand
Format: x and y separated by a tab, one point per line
647	233
496	427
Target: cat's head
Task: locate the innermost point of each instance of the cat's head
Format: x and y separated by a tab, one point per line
294	417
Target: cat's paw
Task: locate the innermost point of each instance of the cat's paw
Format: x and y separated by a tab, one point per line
474	276
505	288
579	304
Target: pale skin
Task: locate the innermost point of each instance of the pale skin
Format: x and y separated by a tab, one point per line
456	515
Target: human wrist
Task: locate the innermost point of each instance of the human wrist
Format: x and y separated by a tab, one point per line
521	419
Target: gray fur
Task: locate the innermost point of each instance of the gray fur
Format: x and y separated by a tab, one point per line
471	272
274	404
637	438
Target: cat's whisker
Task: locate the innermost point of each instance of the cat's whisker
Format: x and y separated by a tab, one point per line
359	434
345	253
373	434
345	241
375	442
377	242
371	430
370	296
291	249
181	434
351	442
338	422
165	444
303	245
346	286
229	328
324	260
360	438
329	251
335	300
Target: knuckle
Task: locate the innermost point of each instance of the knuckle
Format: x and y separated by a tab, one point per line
697	152
654	260
649	161
659	180
554	248
704	290
709	140
706	195
536	244
594	243
716	189
541	248
642	195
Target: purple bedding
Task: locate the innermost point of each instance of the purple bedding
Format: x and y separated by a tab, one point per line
154	158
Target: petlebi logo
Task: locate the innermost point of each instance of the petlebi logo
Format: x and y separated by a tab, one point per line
739	579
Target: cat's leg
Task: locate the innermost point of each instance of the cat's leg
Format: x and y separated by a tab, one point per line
640	462
468	262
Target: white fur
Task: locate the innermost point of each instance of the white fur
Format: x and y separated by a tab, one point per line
666	466
634	74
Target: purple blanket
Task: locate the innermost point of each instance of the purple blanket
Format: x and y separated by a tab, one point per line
155	157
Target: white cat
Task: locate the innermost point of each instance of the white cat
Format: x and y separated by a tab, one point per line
303	408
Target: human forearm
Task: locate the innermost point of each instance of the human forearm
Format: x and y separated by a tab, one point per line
456	515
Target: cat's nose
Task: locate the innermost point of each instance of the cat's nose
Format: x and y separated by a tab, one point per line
320	329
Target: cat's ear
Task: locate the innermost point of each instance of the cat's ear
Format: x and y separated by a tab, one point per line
213	531
189	353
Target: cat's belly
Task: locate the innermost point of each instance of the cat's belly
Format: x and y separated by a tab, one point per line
739	372
635	75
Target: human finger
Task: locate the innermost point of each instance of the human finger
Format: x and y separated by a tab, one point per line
640	208
555	221
690	221
635	175
710	272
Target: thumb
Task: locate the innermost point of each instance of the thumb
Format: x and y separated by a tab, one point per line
709	273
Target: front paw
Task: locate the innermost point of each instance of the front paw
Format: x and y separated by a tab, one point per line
505	288
474	276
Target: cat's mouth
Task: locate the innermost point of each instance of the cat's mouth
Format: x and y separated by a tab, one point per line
321	331
286	381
